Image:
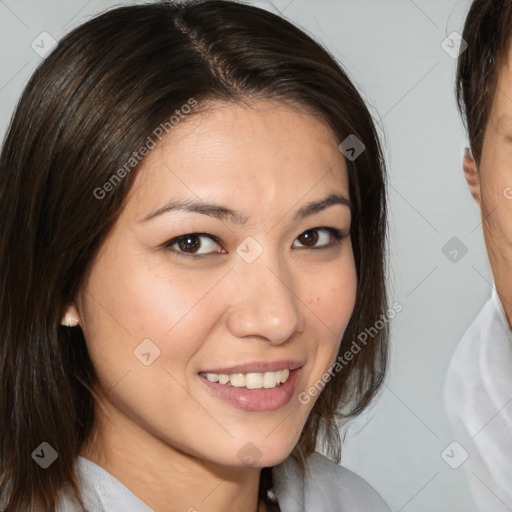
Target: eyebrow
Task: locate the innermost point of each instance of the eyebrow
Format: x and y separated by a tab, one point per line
221	212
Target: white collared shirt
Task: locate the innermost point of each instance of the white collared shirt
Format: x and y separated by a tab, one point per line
478	401
328	488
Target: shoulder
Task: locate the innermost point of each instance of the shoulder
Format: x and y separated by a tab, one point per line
478	380
463	380
324	486
463	372
340	483
484	354
476	331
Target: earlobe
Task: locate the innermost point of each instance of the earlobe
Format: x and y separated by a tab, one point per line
71	317
471	175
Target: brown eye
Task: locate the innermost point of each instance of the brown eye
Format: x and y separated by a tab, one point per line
308	238
191	243
328	237
199	245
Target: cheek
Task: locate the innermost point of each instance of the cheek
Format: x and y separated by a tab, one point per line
131	311
330	305
138	301
331	296
142	345
496	192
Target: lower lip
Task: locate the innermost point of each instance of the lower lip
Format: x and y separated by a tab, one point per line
256	400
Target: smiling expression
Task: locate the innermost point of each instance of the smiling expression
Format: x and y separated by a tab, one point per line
233	249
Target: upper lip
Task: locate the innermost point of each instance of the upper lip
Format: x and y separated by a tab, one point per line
258	367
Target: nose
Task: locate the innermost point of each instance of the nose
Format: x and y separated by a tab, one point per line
266	304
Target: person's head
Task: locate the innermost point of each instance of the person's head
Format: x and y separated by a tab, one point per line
146	124
484	92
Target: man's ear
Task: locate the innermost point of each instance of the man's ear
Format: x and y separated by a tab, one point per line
71	316
471	175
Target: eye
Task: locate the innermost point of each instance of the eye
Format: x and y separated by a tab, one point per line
310	237
189	245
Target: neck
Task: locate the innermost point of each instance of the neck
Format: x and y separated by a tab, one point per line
166	478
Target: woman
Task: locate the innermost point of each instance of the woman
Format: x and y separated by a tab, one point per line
193	228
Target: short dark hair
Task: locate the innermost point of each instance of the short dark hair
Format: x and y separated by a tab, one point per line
487	31
91	103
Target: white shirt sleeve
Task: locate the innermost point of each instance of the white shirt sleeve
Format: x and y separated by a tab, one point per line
478	401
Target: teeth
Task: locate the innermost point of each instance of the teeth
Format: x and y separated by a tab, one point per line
237	380
223	379
251	380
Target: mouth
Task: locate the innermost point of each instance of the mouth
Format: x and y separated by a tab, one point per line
267	380
259	375
253	391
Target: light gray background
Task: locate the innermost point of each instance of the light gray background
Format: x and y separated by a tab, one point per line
392	50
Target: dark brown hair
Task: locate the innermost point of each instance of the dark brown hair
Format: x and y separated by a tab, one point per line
94	101
487	31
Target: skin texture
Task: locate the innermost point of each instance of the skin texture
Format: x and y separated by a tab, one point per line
159	429
490	184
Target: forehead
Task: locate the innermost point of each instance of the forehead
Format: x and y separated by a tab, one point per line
259	152
238	130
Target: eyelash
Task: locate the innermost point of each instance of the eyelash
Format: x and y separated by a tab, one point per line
336	233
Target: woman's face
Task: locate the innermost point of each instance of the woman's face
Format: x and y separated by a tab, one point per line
271	287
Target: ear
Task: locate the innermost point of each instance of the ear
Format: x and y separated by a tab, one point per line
471	175
71	316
